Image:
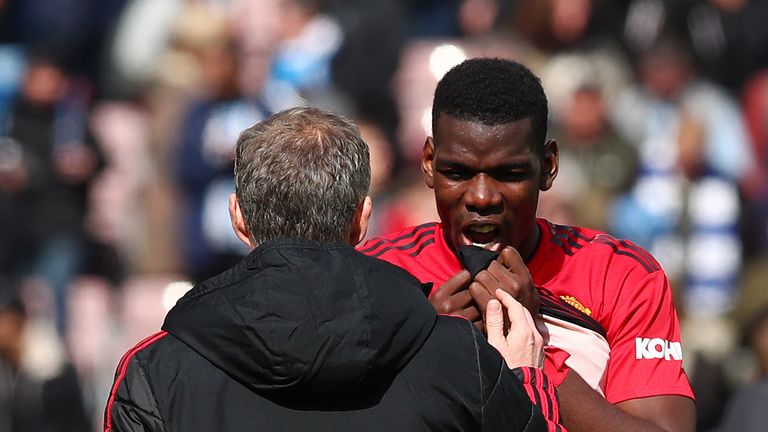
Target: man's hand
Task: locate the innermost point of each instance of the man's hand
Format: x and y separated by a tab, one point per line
510	274
522	345
453	298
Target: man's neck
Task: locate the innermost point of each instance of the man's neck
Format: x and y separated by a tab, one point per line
528	250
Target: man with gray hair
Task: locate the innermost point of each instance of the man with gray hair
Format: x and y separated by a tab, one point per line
306	333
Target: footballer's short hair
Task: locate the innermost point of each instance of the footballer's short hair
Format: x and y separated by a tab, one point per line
492	91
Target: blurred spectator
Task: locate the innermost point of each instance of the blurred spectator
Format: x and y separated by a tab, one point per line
75	36
400	200
710	344
40	23
11	71
374	33
39	389
755	103
727	36
50	161
205	157
746	412
408	203
685	203
381	155
552	25
142	34
452	18
597	163
310	39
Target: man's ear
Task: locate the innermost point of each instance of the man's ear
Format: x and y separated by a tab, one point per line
238	222
428	162
360	221
550	164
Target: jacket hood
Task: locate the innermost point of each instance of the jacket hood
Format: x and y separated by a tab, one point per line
298	318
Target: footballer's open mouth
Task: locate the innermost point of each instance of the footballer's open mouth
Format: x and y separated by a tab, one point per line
484	235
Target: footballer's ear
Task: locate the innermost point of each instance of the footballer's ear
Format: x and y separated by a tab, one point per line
550	164
428	162
238	222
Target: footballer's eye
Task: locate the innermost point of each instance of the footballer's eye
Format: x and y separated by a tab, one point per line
510	176
456	174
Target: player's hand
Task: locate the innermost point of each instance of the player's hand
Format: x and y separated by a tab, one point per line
453	298
510	274
521	345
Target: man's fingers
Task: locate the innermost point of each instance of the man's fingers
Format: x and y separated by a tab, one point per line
451	305
494	323
458	282
517	283
511	259
472	314
481	295
505	279
488	280
515	312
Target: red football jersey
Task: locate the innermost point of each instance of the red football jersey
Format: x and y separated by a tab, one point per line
621	329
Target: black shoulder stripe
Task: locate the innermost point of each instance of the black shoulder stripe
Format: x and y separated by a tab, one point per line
570	240
578	234
372	247
410	233
565	230
562	245
423	245
640	251
649	266
407	246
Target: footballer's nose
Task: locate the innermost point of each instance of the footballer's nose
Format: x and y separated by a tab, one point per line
483	196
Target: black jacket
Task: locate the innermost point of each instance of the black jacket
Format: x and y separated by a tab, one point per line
305	336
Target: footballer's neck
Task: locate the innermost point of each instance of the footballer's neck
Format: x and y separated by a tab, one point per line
528	248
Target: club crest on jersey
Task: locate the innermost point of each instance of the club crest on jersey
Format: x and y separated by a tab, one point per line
577	304
656	348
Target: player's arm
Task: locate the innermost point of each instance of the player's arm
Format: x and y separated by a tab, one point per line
649	392
583	409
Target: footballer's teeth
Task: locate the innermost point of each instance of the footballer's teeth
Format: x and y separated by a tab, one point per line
481	245
483	229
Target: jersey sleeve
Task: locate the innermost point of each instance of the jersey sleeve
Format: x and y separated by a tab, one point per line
643	331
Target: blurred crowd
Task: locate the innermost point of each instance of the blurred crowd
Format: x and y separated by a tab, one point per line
118	120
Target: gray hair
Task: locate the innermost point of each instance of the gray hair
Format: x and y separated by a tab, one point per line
301	173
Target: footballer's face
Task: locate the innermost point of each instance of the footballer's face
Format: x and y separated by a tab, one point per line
487	180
